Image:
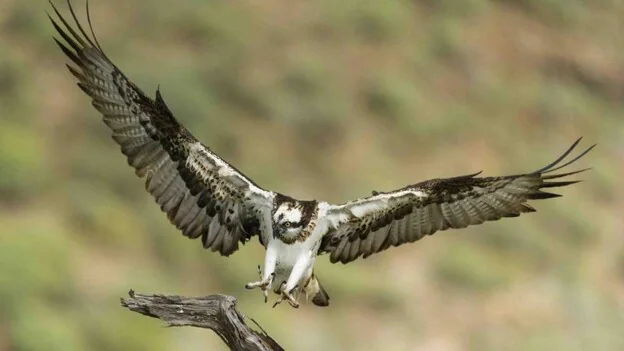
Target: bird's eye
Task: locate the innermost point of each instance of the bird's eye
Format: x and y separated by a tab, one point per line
287	224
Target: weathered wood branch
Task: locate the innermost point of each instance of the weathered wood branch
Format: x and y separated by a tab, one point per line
215	312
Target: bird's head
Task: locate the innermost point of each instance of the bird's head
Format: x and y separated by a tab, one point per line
291	217
287	221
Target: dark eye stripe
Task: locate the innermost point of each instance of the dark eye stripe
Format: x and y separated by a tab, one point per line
294	224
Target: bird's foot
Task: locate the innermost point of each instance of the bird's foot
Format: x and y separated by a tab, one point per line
287	296
263	284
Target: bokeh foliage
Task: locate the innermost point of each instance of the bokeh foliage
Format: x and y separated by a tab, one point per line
326	99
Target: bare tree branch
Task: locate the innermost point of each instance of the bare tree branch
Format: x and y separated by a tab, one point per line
215	312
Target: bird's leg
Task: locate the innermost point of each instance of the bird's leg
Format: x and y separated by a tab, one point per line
301	270
302	267
265	289
263	284
286	295
266	277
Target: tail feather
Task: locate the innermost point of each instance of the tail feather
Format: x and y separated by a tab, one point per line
319	295
321	298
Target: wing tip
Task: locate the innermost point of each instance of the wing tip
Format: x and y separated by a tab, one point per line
79	40
558	184
555	165
542	195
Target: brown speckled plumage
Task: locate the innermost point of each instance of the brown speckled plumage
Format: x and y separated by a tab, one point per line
443	204
196	199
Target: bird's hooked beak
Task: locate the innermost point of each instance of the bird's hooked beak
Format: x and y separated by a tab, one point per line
278	230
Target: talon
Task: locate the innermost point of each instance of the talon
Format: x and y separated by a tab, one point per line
259	284
286	296
291	300
292	304
262	284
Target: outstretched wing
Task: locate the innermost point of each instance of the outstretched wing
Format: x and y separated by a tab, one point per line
367	226
201	194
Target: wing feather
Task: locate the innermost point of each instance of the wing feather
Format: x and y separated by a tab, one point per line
201	194
408	214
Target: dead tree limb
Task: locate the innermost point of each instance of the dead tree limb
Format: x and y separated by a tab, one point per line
215	312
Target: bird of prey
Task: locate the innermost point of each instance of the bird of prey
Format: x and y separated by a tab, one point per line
208	199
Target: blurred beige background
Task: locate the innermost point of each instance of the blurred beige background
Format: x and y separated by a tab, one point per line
328	100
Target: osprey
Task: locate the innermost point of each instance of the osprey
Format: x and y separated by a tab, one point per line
207	198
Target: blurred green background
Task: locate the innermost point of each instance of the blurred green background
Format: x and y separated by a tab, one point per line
321	99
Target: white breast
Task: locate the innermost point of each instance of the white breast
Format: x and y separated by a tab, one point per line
287	256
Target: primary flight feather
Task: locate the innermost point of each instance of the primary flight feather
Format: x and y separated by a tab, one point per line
205	197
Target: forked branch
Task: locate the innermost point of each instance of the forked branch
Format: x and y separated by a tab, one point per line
215	312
